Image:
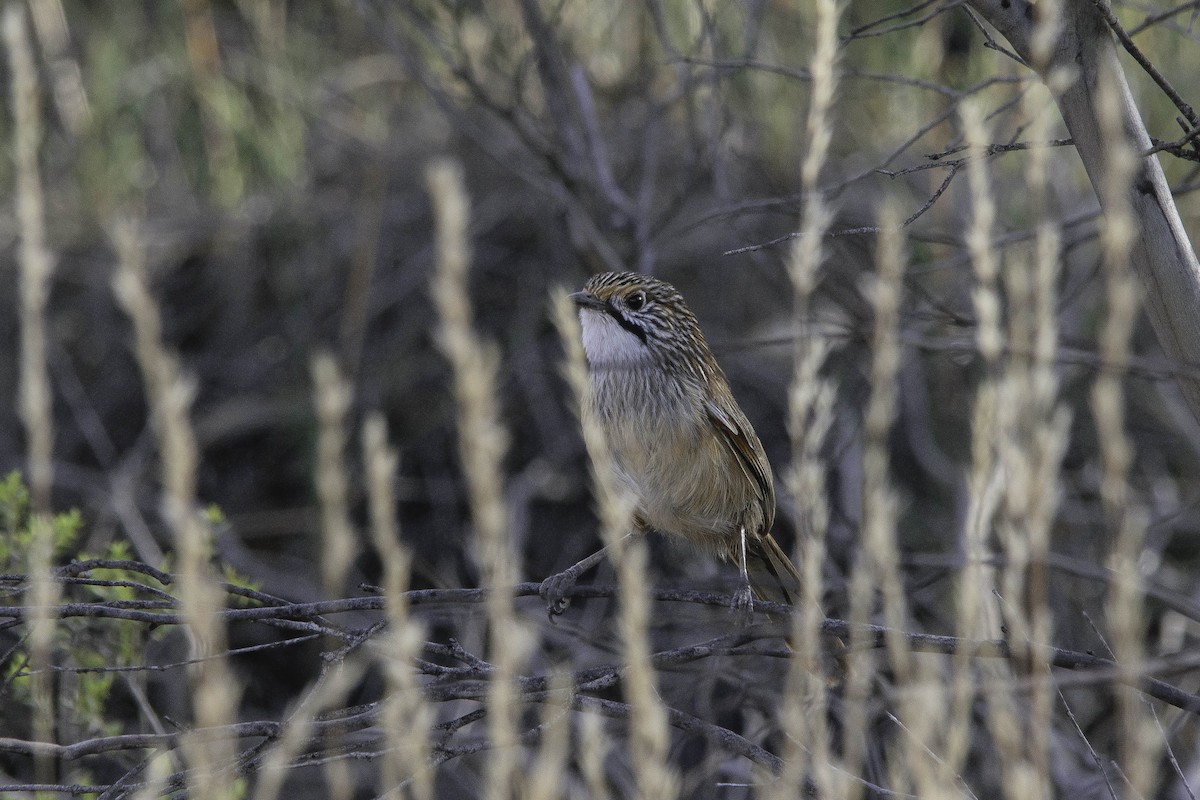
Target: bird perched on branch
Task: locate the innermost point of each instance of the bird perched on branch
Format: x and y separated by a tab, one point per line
677	439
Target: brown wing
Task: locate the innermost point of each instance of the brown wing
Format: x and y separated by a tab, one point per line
773	576
735	429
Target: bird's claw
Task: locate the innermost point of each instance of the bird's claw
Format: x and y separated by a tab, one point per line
554	591
742	602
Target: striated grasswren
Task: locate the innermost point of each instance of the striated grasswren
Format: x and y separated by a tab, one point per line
678	441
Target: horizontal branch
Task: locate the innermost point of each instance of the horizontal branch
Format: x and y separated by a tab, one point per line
133	741
841	629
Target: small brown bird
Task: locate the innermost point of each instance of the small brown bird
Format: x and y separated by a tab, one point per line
677	438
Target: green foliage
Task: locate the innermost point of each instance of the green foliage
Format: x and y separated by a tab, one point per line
235	578
17	531
214	514
90	650
92	647
234	121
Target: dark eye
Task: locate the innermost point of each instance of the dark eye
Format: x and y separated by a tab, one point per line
636	301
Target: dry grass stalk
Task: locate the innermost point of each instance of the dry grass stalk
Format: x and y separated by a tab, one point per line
329	692
977	581
649	736
213	687
1006	719
338	541
482	442
339	545
1124	610
70	96
803	710
36	262
42	596
549	766
380	461
156	776
881	554
613	503
922	700
36	401
404	711
823	67
804	713
406	714
1046	33
1020	436
1031	457
1029	435
407	717
594	747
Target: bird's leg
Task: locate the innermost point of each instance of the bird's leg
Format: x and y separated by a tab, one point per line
743	598
555	588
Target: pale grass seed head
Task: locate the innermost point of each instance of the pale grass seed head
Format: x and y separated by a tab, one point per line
594	747
547	777
810	416
976	615
1046	30
36	262
803	712
214	689
156	775
339	545
42	597
649	735
804	707
482	443
1124	610
614	503
880	561
979	232
329	692
482	439
380	462
824	87
407	714
649	739
36	401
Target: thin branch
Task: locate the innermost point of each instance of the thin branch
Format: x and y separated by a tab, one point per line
1145	62
990	42
921	642
864	31
994	149
131	741
1153	19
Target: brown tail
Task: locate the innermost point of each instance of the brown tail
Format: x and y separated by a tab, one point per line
773	576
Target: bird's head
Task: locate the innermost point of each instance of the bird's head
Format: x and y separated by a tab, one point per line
630	319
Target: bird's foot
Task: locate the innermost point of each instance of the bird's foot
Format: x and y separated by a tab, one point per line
554	591
742	603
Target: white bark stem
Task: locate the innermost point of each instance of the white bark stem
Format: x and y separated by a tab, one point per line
1162	254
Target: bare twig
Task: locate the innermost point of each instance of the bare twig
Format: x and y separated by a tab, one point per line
1146	64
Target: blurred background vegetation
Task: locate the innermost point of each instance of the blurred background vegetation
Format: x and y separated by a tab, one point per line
274	152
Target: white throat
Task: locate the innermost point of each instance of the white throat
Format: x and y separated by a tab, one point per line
607	344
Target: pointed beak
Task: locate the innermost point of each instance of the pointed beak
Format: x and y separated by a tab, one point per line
588	300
